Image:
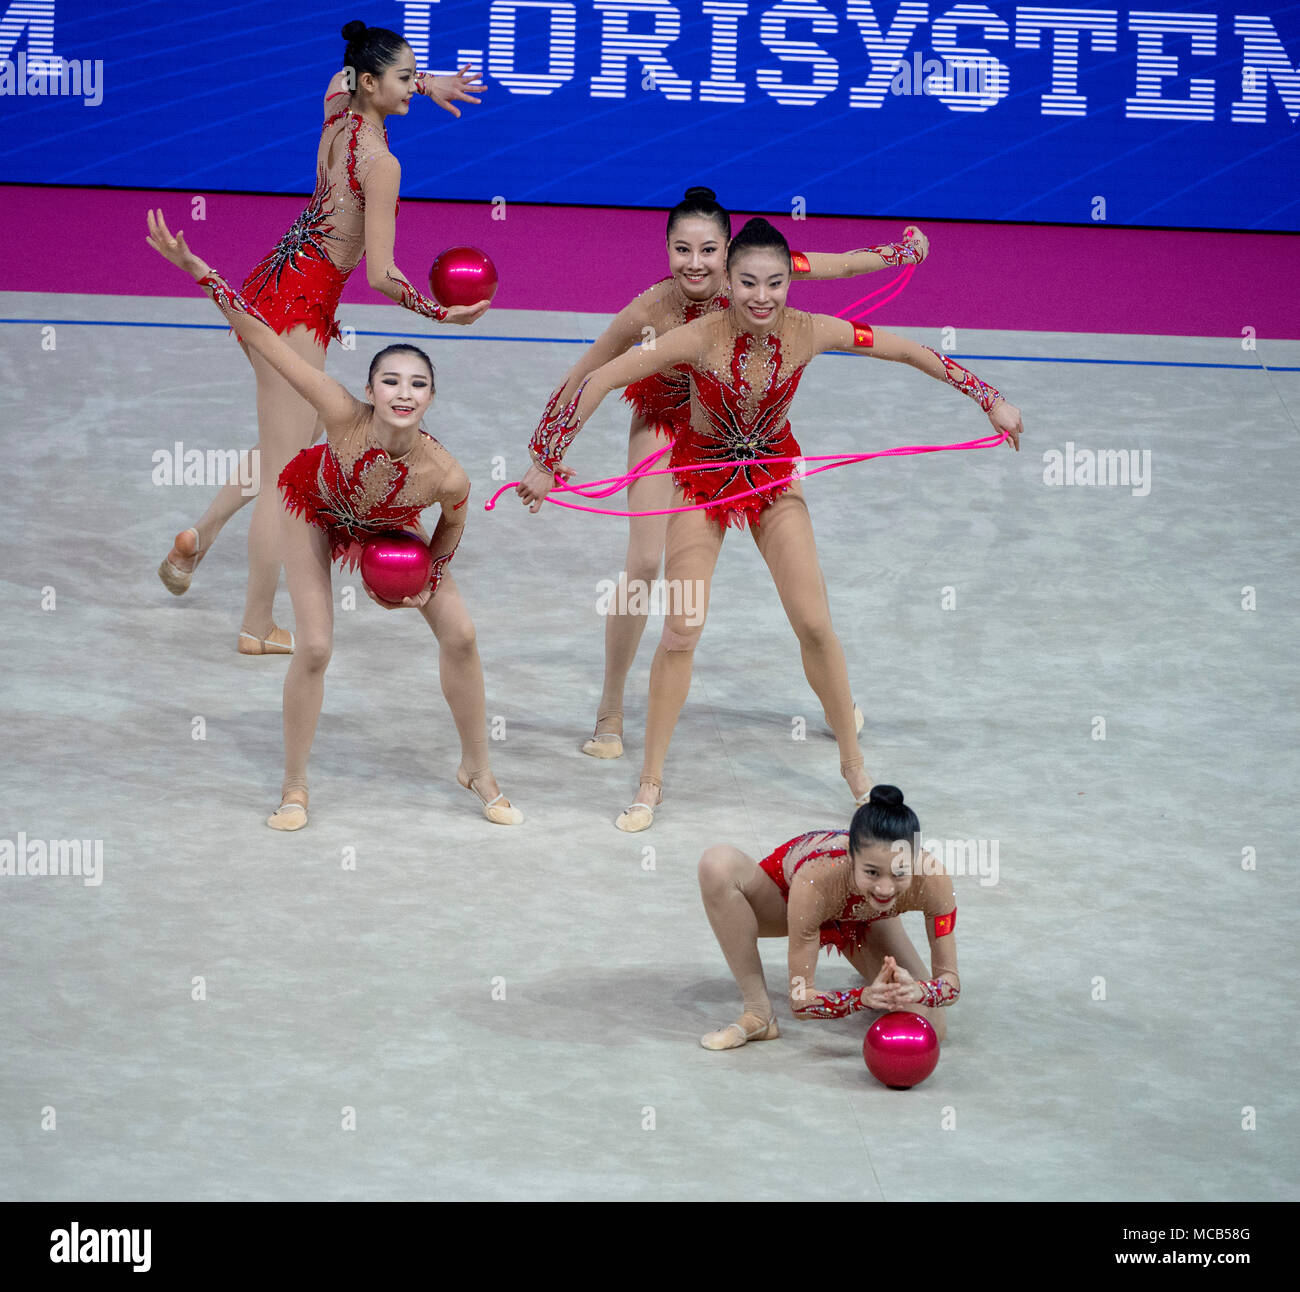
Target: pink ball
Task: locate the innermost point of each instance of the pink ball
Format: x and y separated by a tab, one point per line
463	276
901	1049
396	565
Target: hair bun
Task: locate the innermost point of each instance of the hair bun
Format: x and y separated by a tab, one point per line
886	796
353	31
698	191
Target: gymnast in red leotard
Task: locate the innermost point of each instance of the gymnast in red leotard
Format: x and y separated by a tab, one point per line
699	230
842	889
746	362
296	290
377	471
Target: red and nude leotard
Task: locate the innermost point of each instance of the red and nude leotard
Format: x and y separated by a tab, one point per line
813	873
301	280
350	488
740	398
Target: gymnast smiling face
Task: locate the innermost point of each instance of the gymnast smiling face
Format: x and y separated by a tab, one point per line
882	871
697	256
760	279
390	92
401	389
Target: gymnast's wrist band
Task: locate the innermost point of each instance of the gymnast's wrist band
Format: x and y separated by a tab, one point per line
938	991
413	300
967	382
556	431
832	1004
894	254
226	298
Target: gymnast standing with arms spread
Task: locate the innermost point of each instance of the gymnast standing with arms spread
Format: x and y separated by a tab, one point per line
745	362
376	472
698	234
297	286
842	889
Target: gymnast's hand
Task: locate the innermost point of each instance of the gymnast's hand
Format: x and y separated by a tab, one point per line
534	487
1006	419
414	602
464	315
880	994
444	89
913	234
172	247
904	989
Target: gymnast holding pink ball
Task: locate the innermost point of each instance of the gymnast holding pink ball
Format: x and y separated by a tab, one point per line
358	497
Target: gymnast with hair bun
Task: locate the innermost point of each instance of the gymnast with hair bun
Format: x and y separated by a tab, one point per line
296	290
376	472
842	889
699	231
735	462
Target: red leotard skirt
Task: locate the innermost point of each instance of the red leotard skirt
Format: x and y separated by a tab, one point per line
846	936
291	294
713	483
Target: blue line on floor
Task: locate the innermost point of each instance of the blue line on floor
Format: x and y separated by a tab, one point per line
568	340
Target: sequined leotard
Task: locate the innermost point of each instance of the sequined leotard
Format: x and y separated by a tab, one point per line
663	399
350	487
740	395
826	907
301	280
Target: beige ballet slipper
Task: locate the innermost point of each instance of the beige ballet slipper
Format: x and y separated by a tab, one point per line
498	810
280	642
176	580
749	1028
292	812
605	744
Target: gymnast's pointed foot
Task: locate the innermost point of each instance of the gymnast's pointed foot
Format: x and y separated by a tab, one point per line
607	742
857	778
750	1027
178	566
497	809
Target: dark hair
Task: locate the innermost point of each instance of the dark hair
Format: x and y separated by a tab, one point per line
401	348
758	235
700	202
883	818
370	49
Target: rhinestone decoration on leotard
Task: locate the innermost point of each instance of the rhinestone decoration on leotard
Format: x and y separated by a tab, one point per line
742	421
303	245
663	399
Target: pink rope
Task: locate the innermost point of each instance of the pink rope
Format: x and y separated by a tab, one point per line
886	293
603	488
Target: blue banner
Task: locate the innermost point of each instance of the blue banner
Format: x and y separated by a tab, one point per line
1182	116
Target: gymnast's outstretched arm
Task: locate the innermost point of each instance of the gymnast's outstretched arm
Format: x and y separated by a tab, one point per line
913	249
876	343
336	406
